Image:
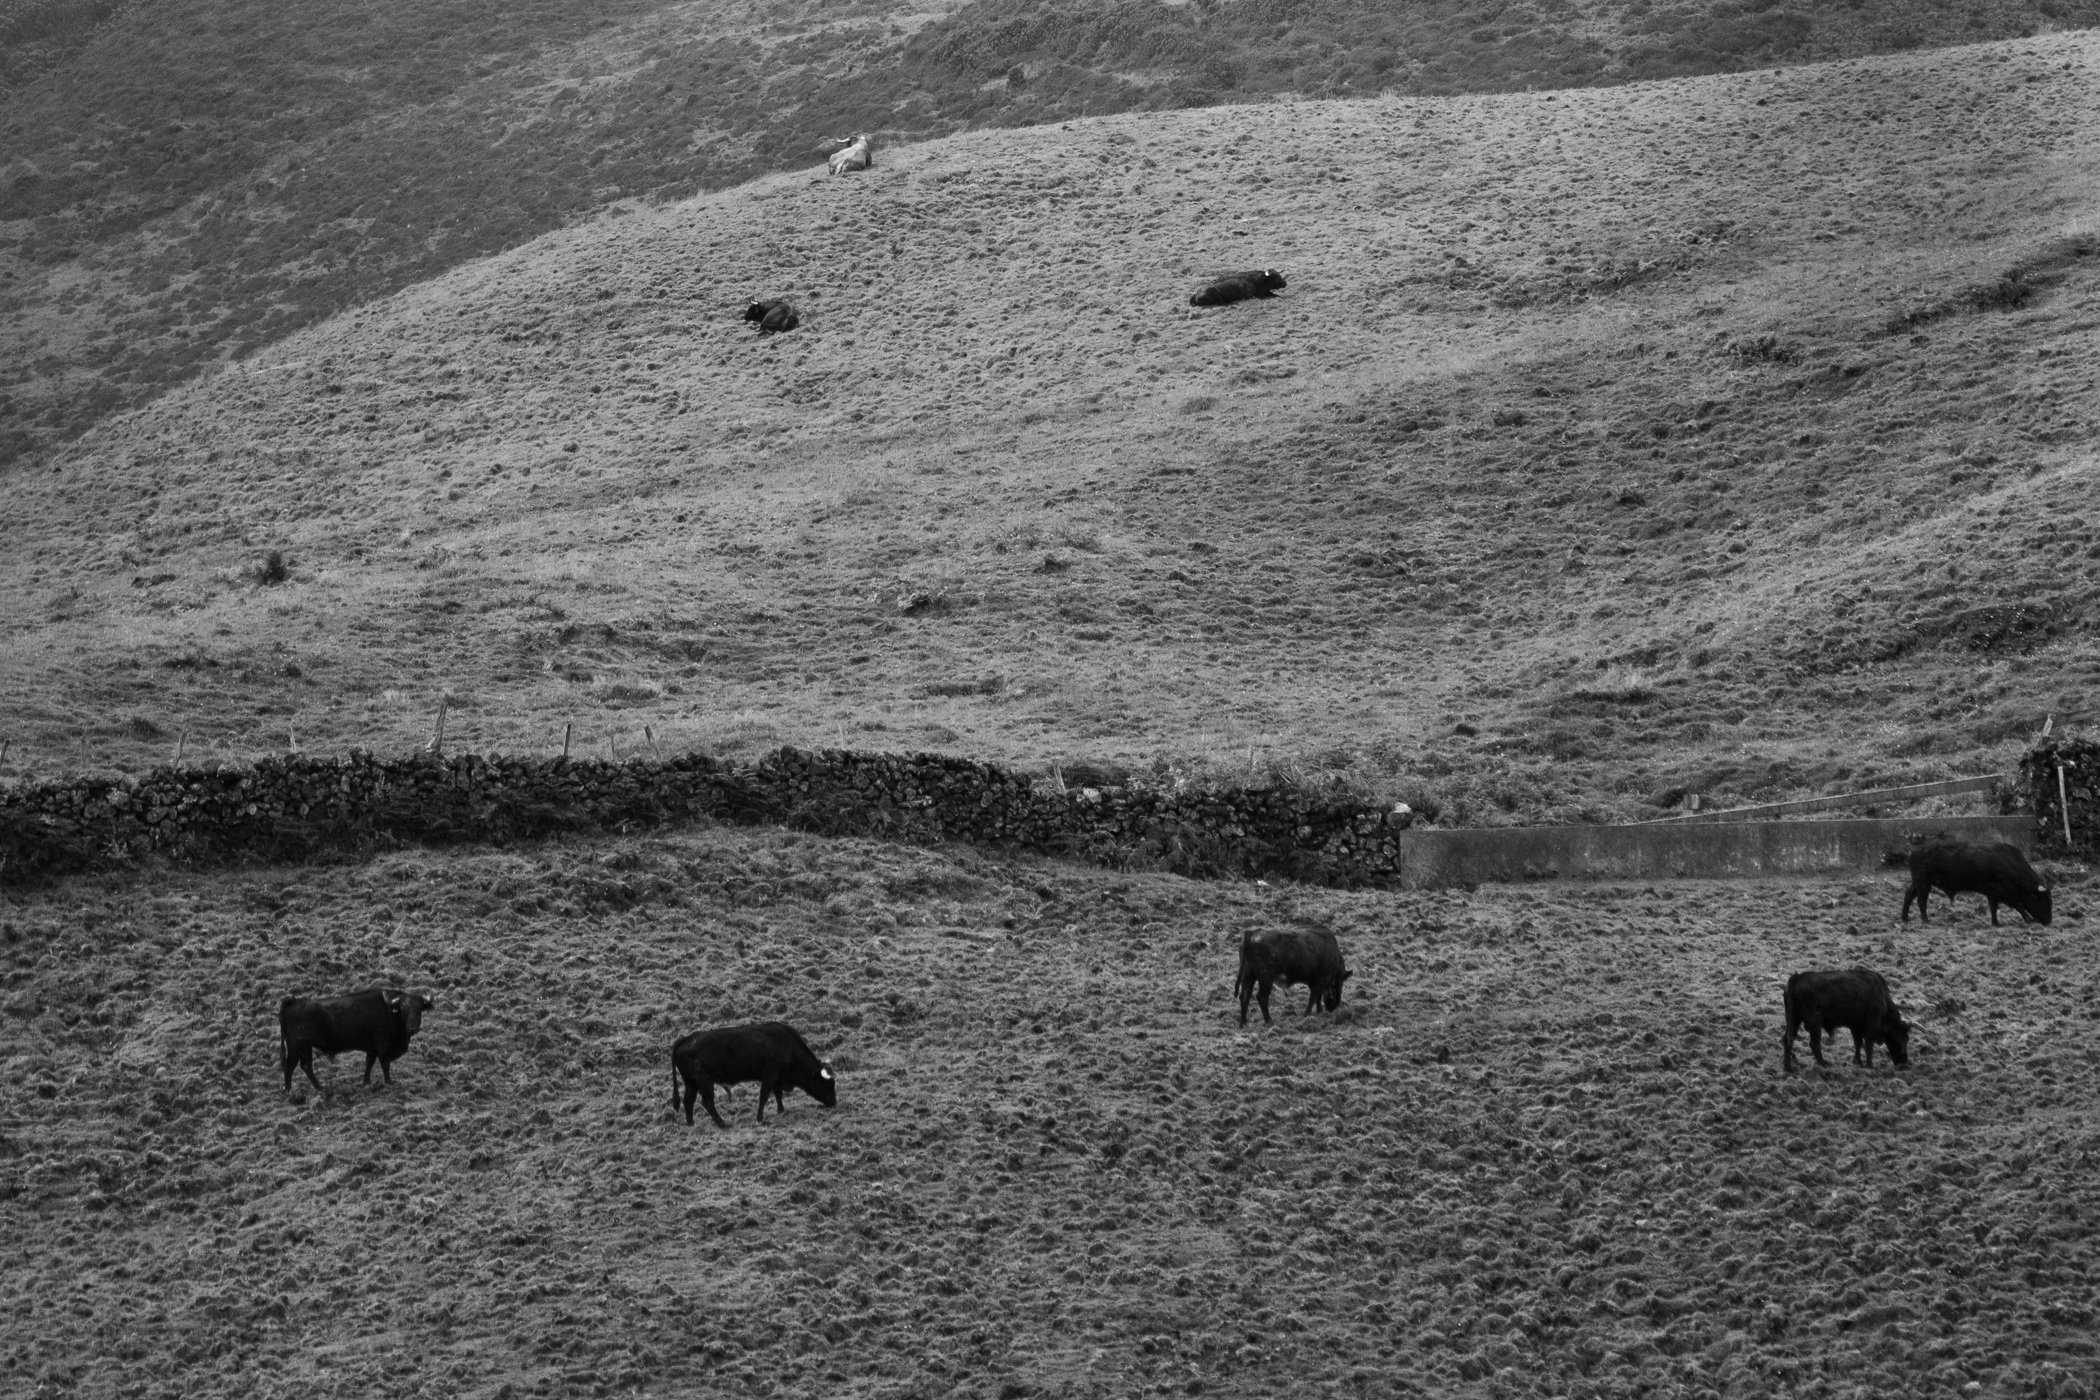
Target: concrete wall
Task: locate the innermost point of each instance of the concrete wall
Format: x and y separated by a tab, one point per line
1430	858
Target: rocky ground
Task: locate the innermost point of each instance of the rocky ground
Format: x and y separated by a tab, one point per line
1545	1148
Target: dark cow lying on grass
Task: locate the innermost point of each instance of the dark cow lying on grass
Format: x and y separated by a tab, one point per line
1995	869
1240	286
772	1052
378	1021
1858	1000
1295	958
772	316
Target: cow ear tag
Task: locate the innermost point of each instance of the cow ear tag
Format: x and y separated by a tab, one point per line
823	1072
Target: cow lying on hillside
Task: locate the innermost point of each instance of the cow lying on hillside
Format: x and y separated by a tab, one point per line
1311	959
1240	286
1996	870
378	1021
771	1052
775	315
858	154
1858	1000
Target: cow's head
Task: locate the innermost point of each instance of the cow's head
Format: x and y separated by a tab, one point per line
2035	905
1273	279
756	311
1333	998
826	1088
409	1006
1896	1035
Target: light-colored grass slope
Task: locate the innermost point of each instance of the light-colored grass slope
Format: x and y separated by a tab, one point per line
1622	426
1545	1148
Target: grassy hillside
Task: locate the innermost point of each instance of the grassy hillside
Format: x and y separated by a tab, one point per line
1730	436
1544	1149
186	181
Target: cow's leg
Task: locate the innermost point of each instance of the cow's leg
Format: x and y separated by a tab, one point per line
369	1058
1909	894
765	1087
386	1070
284	1053
1815	1041
1994	911
1786	1046
1261	994
1246	991
306	1062
707	1100
1312	997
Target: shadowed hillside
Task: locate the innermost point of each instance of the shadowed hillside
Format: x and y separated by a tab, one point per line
187	181
1729	435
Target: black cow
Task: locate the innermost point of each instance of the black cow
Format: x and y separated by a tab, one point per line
771	1052
1858	1000
1996	870
775	315
1293	957
1240	286
378	1021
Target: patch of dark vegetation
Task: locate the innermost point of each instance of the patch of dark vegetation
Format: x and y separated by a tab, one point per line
980	685
2011	290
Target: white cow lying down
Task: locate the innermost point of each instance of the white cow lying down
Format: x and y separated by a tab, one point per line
858	154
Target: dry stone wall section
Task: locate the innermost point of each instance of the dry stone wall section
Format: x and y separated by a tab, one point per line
300	807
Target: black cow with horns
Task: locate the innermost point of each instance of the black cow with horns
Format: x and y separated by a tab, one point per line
1994	869
1857	999
378	1021
771	1052
773	316
1240	286
1310	958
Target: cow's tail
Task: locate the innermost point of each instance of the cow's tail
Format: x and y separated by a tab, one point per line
674	1080
1243	980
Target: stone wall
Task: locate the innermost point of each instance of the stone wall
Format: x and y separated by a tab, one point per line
301	807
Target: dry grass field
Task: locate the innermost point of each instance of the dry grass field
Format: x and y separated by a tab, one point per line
1544	1149
1730	436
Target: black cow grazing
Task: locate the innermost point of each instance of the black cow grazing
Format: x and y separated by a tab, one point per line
775	315
772	1052
1240	286
378	1021
1994	869
1858	1000
1293	957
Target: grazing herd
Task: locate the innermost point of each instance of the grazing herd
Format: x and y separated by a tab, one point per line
380	1021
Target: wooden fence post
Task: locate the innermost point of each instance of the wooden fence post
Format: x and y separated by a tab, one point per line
566	730
437	739
651	737
182	741
2063	800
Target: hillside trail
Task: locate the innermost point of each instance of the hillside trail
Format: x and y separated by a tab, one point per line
1005	490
